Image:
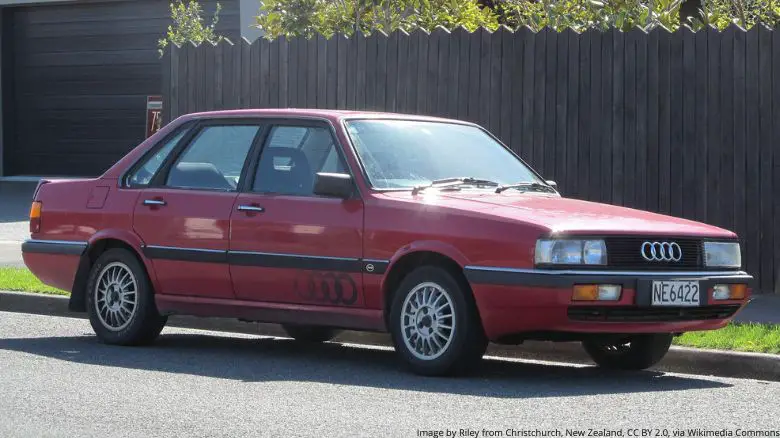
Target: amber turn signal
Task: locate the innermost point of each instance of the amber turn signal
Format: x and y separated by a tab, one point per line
596	292
729	291
35	216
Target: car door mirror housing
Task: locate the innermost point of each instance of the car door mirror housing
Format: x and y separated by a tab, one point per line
552	184
334	185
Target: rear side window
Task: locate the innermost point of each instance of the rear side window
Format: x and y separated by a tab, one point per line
144	174
214	159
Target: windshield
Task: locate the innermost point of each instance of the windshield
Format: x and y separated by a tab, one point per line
410	153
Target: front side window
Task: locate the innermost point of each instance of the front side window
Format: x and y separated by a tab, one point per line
144	174
214	159
291	158
409	153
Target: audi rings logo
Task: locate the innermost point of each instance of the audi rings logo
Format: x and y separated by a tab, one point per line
328	287
661	252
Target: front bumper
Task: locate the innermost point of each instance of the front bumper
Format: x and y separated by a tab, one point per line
537	303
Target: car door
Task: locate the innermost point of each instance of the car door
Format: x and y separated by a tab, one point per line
183	218
288	245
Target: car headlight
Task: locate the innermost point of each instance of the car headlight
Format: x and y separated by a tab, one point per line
722	255
570	252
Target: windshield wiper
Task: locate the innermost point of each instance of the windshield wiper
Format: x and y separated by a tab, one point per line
526	186
451	182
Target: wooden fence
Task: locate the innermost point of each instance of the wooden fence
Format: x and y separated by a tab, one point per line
681	123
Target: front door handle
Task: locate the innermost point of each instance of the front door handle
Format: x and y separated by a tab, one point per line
154	202
251	208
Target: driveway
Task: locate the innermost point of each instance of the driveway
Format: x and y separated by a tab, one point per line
57	380
14	228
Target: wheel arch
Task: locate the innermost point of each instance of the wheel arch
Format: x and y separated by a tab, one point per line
419	254
97	245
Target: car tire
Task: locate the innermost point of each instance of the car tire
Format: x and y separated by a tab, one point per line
120	300
310	333
637	352
435	325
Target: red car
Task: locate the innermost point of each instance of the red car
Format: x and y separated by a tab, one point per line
428	228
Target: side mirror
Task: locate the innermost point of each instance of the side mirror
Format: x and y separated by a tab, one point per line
552	183
334	185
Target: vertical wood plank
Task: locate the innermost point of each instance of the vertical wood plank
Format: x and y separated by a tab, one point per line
331	82
284	75
629	144
167	83
550	147
370	80
380	83
570	178
246	72
494	100
507	89
343	72
775	157
726	218
584	126
473	83
690	164
653	121
558	167
641	40
701	119
312	71
219	67
540	88
767	151
444	76
421	84
739	146
664	122
209	102
391	101
192	76
464	76
321	86
751	213
255	78
714	140
432	77
607	52
265	73
273	74
518	77
404	67
618	111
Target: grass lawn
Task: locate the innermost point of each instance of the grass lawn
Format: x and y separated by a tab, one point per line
22	280
762	338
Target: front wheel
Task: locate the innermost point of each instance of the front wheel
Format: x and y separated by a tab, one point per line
120	300
636	352
434	323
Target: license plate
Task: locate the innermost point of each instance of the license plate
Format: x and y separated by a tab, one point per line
675	293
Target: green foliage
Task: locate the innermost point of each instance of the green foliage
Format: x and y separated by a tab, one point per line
189	25
328	17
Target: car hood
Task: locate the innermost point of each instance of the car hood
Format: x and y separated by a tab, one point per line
573	216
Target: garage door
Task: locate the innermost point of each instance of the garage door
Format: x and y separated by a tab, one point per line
75	90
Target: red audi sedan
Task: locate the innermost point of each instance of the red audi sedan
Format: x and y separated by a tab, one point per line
428	228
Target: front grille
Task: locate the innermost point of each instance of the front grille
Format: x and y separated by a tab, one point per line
653	314
626	253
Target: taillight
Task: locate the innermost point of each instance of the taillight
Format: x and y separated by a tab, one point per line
35	216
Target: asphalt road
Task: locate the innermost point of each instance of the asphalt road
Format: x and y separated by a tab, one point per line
57	380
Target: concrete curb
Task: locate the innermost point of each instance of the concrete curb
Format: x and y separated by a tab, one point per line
678	360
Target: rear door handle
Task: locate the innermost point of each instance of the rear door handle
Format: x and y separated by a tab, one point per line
251	208
156	202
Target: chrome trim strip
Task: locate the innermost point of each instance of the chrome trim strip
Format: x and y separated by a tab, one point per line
273	254
604	273
375	261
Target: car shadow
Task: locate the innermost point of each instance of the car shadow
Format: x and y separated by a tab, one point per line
280	359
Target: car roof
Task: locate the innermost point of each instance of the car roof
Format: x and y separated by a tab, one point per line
329	114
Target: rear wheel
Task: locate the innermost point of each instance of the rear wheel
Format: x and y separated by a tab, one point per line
636	352
120	300
310	333
434	323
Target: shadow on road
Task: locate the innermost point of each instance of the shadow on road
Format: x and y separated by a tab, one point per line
273	359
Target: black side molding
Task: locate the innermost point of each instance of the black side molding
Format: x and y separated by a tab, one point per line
54	247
